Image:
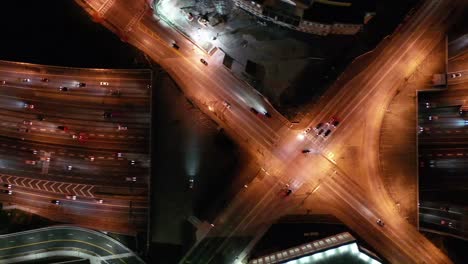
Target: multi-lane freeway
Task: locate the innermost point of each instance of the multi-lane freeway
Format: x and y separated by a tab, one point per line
355	194
74	144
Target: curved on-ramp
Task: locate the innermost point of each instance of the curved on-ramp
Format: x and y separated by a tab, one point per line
64	241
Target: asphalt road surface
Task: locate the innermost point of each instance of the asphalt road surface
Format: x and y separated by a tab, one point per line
57	145
66	238
359	200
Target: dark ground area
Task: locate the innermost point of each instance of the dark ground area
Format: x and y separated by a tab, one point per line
12	221
189	146
313	82
57	32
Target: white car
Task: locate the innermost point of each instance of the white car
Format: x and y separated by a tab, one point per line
104	83
455	75
69	167
120	127
28	106
100	201
71	197
202	21
226	104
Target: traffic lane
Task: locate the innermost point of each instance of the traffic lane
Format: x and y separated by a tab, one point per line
396	237
456	140
441	223
354	91
109	207
137	197
131	144
60	173
35	151
36	72
25	241
233	88
74	110
458	152
243	114
129	89
68	128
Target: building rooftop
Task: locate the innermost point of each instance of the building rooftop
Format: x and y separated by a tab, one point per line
341	247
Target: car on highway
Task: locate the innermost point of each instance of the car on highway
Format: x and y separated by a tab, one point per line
27	122
25	80
189	17
107	115
122	128
81	84
455	75
433	118
191	182
226	104
175	46
265	113
131	179
380	222
104	83
44	80
30	162
327	133
204	62
318	126
99	201
71	197
115	92
287	192
28	106
307	130
3	82
446	223
69	167
132	162
202	21
119	154
34	152
8	186
306	151
9	192
23	130
91	158
64	128
63	89
56	202
334	122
